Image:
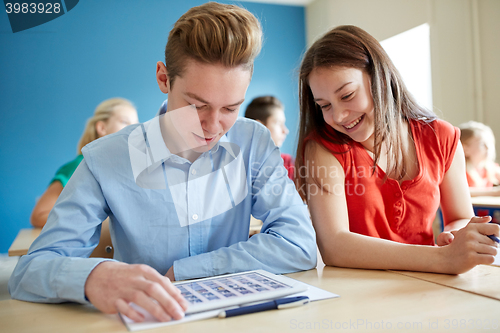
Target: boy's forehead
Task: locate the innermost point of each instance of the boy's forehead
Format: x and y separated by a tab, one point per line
207	82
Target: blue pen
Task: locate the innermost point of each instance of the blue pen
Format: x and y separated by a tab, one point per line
282	303
493	237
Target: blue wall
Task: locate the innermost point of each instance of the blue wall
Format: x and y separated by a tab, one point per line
53	76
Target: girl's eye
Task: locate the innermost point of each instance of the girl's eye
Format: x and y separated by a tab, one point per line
346	97
230	110
324	107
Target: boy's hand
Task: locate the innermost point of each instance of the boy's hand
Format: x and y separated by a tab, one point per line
111	286
170	274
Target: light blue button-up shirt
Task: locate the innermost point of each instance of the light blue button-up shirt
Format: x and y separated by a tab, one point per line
194	216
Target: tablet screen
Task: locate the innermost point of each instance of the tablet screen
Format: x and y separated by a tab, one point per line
234	289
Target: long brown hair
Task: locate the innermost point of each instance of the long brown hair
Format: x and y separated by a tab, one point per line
350	46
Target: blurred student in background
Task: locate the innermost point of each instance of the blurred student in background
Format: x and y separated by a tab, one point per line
269	111
109	117
483	174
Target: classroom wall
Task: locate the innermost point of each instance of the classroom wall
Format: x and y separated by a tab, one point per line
54	75
465	44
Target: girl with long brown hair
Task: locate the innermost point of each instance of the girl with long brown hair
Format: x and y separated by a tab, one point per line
374	166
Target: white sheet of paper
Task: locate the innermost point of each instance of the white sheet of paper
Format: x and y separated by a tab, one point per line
497	258
314	294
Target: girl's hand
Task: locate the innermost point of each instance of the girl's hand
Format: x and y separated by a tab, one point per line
445	238
470	246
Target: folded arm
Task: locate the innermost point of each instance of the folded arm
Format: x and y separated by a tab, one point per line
57	262
286	242
57	267
340	247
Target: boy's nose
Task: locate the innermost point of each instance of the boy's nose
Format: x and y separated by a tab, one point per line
210	122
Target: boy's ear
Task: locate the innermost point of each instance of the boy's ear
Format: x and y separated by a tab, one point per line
162	77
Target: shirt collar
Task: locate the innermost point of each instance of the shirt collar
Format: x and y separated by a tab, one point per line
158	149
224	143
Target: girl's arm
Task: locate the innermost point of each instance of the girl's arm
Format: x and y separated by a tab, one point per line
456	205
45	203
455	199
340	247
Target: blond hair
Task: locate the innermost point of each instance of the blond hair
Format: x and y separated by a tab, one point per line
103	112
474	129
213	33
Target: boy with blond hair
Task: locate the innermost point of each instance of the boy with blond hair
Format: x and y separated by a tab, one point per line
179	189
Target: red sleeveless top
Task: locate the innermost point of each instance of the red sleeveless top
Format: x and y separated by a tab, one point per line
385	209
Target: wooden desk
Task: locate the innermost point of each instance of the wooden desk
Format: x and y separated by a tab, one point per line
492	202
482	280
370	301
26	237
255	226
23	241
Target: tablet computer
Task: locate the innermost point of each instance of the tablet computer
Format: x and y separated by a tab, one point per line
235	289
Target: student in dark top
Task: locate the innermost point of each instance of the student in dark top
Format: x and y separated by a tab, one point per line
269	111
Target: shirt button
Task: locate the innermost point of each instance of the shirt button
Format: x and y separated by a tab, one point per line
398	212
404	188
397	195
195	216
193	172
396	219
398	203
